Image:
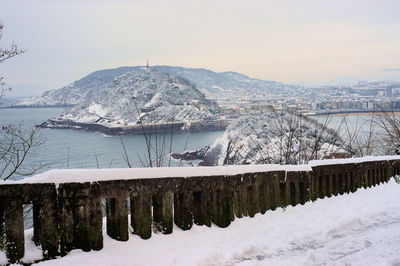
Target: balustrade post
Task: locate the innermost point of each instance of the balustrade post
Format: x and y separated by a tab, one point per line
297	188
162	212
323	186
252	191
237	206
348	181
74	208
251	203
303	186
275	190
373	174
45	219
141	215
117	218
263	191
243	198
287	193
36	222
221	204
95	218
2	236
66	224
201	200
341	182
14	229
314	185
183	209
330	177
387	173
373	177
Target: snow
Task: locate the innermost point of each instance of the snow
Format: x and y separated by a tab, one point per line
361	228
3	258
273	137
32	252
58	176
354	160
97	109
209	81
162	98
91	175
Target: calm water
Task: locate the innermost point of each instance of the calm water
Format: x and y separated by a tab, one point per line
352	124
78	149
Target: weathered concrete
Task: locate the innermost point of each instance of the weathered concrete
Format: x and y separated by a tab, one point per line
95	216
71	217
141	215
162	212
251	187
263	193
221	201
14	229
183	209
2	237
73	207
46	220
117	218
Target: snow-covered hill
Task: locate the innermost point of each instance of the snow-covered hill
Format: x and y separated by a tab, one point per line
145	95
205	80
273	137
78	91
221	82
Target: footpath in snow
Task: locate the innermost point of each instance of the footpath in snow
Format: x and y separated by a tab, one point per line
362	228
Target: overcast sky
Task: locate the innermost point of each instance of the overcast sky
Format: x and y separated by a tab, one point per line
294	41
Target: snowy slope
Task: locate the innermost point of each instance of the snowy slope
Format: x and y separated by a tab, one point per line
272	137
205	80
145	95
361	228
220	82
77	91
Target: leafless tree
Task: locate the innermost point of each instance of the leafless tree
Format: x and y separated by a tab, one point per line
360	135
16	142
389	125
5	54
298	139
158	142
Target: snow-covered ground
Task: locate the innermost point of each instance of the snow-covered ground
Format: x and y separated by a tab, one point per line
361	228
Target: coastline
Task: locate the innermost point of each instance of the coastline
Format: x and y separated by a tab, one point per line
358	113
161	128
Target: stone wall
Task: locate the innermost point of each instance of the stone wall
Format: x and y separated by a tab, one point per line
70	215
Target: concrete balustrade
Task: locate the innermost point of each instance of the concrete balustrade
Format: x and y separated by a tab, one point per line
70	216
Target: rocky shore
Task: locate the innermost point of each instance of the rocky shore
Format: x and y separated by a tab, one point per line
138	129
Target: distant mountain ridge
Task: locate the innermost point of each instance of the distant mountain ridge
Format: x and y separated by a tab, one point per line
204	79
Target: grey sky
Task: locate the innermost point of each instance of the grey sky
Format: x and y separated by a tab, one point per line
294	41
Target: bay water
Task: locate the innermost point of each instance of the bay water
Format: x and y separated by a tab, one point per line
64	148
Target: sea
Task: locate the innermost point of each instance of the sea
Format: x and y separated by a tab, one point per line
65	148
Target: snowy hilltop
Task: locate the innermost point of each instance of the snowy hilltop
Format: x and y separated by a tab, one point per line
205	80
144	96
78	91
272	137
